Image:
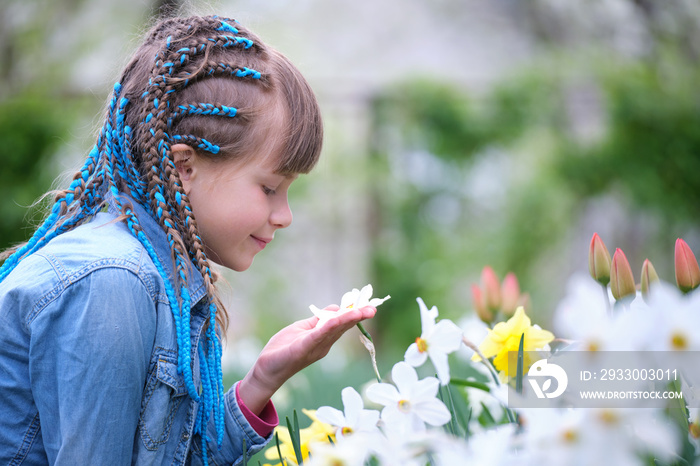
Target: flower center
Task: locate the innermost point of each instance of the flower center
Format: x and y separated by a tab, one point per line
679	341
422	345
593	346
608	417
694	430
346	430
405	406
570	436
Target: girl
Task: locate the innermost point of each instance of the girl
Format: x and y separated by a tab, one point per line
110	345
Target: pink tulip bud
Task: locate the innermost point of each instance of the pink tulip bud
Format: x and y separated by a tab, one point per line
599	260
510	293
621	278
492	289
480	305
687	271
649	275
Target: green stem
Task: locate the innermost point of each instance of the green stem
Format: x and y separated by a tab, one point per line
607	300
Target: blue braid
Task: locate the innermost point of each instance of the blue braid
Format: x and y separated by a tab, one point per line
204	109
200	143
227	27
232	41
206	404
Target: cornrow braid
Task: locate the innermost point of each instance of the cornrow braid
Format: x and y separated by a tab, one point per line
201	109
205	82
197	142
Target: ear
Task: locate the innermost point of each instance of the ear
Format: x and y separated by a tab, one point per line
184	158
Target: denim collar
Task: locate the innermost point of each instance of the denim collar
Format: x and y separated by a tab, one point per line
159	240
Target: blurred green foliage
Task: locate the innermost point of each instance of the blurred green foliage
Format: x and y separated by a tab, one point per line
30	131
433	235
652	149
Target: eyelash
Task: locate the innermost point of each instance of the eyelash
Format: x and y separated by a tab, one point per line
268	191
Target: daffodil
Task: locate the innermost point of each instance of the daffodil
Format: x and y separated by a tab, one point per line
505	337
355	299
411	403
353	420
437	340
317	432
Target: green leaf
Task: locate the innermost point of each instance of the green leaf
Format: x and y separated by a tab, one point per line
519	373
295	437
279	450
470	383
245	453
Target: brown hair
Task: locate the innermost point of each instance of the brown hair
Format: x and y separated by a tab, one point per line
180	82
205	81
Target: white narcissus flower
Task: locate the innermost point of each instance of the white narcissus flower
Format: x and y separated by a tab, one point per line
437	340
355	419
355	299
619	436
412	402
353	452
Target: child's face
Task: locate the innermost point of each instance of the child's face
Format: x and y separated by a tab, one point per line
238	207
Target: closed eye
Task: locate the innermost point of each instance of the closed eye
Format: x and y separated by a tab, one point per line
268	191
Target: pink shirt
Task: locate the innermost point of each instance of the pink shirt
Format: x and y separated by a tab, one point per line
263	424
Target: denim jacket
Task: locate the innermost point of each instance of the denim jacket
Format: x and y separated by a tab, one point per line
88	357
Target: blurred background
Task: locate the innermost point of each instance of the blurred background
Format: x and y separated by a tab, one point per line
459	134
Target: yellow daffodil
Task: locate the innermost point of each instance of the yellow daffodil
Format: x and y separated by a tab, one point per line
317	432
505	337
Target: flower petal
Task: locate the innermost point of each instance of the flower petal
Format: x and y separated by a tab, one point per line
349	299
331	416
432	411
427	316
439	360
404	376
374	302
445	337
415	357
368	420
383	393
364	296
424	389
353	405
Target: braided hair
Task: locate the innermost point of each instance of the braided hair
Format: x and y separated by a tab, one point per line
206	82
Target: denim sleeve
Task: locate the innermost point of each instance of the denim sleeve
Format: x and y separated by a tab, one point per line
89	351
238	431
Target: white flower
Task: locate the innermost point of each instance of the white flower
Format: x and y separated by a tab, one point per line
616	436
355	299
350	453
488	447
436	342
676	319
412	402
691	395
583	316
355	419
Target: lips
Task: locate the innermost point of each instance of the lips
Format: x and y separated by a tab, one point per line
262	242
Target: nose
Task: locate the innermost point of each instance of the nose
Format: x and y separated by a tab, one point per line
281	216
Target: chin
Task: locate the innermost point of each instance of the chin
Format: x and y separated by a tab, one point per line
240	267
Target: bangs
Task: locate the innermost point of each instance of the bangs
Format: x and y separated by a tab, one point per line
304	138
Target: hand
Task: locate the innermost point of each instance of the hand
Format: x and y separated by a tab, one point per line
292	349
